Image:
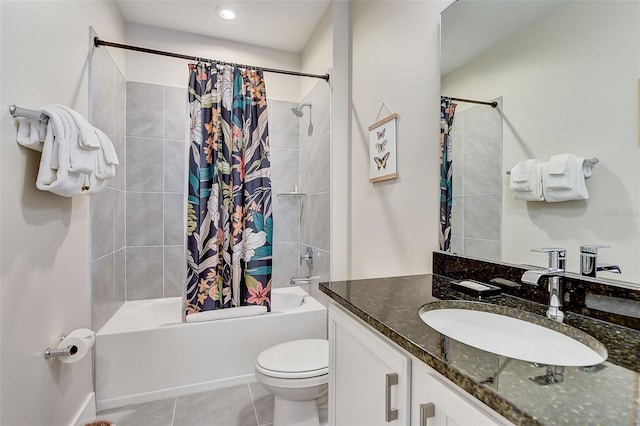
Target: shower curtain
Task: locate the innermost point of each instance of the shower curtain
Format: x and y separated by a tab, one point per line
447	109
229	217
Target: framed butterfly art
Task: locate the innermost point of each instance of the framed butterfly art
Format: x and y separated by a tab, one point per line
382	149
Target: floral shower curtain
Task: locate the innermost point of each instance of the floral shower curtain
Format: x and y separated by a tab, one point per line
447	109
229	217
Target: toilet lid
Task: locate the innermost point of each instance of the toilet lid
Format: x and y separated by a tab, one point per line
295	359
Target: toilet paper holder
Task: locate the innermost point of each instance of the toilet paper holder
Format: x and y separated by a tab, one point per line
58	352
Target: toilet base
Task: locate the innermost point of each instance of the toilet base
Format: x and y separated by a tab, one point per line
295	413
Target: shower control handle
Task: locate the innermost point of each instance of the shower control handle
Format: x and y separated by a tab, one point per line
308	256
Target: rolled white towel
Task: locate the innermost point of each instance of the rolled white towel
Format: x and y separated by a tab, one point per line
525	181
563	178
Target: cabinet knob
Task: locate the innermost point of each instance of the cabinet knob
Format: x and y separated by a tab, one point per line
427	411
389	414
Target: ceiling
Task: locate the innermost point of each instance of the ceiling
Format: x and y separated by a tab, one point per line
471	27
277	24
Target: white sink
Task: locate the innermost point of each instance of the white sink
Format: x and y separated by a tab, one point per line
532	338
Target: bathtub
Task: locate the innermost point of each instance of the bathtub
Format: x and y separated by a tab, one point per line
145	353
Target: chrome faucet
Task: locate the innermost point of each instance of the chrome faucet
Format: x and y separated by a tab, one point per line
555	270
589	266
300	280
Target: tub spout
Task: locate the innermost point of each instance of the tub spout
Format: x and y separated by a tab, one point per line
300	280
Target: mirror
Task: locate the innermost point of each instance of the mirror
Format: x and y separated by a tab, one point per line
566	78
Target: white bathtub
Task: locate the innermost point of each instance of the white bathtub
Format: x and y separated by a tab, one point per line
145	353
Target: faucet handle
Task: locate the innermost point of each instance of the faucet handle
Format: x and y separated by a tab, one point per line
556	256
592	248
550	250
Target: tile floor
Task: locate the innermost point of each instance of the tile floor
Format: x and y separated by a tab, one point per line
244	405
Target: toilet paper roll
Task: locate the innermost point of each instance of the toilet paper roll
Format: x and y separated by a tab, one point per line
81	341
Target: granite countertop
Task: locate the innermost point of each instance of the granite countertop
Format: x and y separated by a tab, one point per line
604	394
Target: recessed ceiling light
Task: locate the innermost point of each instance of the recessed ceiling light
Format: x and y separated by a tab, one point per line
227	12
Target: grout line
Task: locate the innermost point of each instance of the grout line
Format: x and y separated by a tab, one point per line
130	191
175	405
125	149
145	137
164	168
253	404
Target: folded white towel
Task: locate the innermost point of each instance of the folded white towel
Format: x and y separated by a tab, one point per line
31	133
77	158
106	158
53	173
66	133
563	178
88	138
560	172
525	181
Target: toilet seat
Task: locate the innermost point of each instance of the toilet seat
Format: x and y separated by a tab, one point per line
299	359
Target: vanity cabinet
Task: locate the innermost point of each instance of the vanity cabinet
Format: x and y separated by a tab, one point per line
369	379
372	381
435	401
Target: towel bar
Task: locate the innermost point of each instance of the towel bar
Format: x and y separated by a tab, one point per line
16	111
593	161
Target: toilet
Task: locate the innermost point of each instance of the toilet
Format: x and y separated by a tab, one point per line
297	374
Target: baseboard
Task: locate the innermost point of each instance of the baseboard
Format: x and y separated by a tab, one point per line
87	412
107	404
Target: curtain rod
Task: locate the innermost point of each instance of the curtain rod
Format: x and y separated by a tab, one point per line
471	101
97	42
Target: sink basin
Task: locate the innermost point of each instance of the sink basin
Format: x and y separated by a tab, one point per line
513	333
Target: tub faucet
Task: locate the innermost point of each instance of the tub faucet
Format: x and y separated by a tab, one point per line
555	270
300	280
589	266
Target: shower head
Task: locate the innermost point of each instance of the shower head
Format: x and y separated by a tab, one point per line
298	110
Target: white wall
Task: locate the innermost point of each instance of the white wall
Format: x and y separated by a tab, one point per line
395	59
167	71
44	241
317	55
569	84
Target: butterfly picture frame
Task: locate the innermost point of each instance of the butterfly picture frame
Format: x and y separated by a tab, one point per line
382	149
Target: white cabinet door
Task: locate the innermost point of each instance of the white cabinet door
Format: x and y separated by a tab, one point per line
369	380
437	402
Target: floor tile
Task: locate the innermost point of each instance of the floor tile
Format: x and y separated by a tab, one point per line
263	403
156	413
223	407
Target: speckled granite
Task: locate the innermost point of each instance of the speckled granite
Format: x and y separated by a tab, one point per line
606	396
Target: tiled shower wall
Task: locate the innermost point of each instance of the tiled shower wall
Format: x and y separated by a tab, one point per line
285	176
156	148
300	159
315	171
108	206
477	182
148	259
